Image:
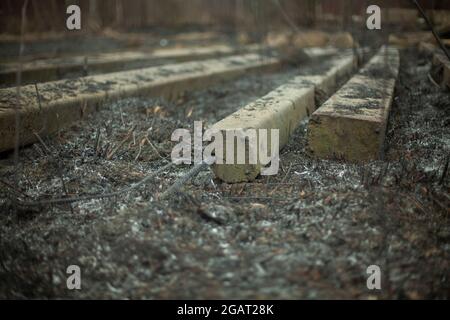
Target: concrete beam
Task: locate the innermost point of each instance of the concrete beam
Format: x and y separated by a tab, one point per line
65	101
43	70
351	125
281	109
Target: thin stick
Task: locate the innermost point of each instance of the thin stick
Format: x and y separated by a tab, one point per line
282	181
444	172
180	182
153	147
13	188
42	142
128	136
433	81
58	164
97	141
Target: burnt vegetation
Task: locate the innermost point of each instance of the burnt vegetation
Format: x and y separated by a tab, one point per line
309	232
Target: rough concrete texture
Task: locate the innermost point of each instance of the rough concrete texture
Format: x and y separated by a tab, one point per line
351	125
63	102
41	70
281	109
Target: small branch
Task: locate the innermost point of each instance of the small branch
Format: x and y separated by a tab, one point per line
97	141
47	149
14	189
180	182
433	81
58	164
114	151
282	181
153	147
444	172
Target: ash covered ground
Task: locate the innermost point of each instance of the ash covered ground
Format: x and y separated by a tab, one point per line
309	232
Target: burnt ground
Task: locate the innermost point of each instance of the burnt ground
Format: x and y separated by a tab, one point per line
310	232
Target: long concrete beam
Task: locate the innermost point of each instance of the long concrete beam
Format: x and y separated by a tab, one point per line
281	109
63	102
43	70
351	125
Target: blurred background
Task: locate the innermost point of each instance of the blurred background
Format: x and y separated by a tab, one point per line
226	15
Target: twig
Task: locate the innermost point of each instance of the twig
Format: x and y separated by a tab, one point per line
121	116
13	188
113	152
444	172
153	147
433	81
282	181
140	149
58	165
97	141
180	182
97	196
42	142
417	203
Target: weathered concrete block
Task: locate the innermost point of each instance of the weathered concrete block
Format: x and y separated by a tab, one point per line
281	109
66	101
43	70
351	125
